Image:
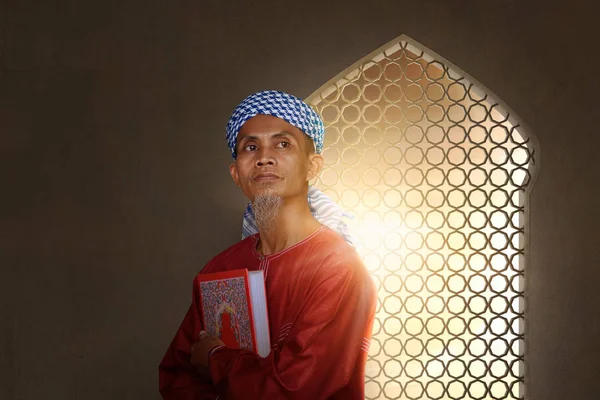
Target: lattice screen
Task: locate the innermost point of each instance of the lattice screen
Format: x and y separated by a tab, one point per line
435	173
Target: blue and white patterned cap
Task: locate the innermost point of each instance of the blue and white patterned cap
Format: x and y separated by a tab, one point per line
281	105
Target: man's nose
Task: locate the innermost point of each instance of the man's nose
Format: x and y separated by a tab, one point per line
265	156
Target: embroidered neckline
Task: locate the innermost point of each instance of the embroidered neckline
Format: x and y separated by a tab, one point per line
256	237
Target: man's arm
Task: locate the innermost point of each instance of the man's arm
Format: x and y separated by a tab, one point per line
321	352
178	378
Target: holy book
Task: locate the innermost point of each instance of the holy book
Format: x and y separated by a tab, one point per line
234	309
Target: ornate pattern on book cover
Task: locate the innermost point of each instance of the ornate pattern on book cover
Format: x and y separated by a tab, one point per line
226	311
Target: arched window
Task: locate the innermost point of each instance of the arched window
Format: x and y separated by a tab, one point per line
435	171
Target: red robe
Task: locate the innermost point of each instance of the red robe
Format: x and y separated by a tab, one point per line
321	304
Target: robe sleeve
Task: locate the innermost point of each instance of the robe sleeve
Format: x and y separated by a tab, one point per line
323	351
178	379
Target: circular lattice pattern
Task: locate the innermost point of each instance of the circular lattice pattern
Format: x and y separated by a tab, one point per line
435	174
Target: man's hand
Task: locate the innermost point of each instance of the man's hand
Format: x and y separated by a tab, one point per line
201	349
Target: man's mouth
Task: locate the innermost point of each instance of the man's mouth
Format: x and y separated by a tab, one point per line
265	177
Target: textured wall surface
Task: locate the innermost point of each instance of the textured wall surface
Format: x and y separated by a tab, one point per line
113	166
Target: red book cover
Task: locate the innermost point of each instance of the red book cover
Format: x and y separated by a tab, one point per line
227	308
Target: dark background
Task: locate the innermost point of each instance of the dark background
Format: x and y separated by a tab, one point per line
113	166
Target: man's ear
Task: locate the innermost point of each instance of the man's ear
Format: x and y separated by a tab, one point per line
234	174
315	164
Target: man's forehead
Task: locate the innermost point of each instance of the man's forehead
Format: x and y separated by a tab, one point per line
268	125
266	134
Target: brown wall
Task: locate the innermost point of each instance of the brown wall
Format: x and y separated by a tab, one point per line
115	189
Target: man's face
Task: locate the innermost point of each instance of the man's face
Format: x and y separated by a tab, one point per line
273	158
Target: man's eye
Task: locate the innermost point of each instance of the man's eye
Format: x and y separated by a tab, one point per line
283	144
250	147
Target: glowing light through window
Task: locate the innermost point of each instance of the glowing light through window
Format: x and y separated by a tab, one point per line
435	172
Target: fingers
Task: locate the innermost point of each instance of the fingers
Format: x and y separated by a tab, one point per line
203	334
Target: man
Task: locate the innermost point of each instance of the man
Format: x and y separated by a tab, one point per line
321	300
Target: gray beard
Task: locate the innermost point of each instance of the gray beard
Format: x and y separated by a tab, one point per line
266	208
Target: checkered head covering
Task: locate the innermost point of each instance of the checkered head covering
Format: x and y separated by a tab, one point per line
281	105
